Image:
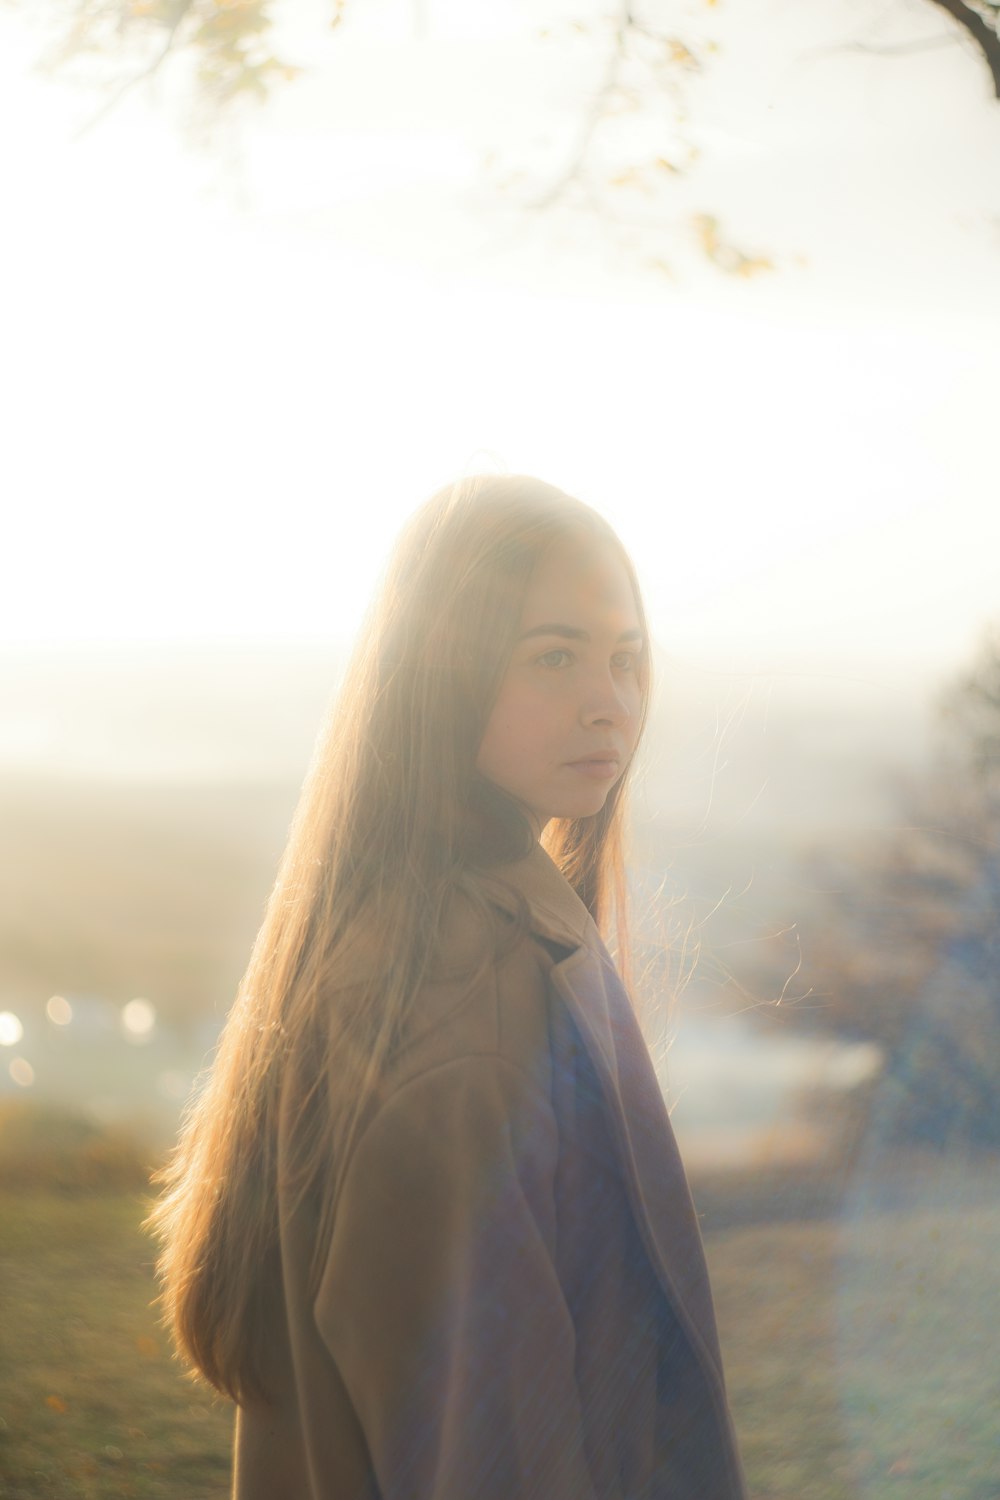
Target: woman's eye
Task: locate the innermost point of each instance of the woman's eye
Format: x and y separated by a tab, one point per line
554	658
625	661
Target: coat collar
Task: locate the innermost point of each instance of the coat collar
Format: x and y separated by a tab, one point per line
554	909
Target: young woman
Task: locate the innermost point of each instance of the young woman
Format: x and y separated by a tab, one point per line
427	1224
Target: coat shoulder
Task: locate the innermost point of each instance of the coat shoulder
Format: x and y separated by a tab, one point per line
487	995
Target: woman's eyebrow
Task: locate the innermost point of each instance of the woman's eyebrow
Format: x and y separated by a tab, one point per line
572	633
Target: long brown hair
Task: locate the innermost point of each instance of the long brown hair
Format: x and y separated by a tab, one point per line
393	819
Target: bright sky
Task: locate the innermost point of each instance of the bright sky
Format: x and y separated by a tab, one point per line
228	374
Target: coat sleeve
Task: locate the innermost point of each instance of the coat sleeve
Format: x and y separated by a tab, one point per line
440	1301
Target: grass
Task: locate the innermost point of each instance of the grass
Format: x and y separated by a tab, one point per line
859	1344
91	1404
861	1347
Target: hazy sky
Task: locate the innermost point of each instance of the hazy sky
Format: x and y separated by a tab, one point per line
228	372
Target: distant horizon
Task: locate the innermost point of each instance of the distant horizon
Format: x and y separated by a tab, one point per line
712	654
790	751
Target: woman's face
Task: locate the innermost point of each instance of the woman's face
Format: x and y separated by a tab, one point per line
566	719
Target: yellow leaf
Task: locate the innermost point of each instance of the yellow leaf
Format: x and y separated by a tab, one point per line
750	265
56	1403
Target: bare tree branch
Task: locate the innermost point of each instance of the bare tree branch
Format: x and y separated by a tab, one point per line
115	98
985	38
899	49
946	38
594	115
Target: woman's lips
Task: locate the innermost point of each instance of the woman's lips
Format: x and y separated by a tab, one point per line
601	769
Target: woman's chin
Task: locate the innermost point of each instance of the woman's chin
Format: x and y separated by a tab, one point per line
581	806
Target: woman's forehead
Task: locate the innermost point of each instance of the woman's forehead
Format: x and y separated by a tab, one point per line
580	580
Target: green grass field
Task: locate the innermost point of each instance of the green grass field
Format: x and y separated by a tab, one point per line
860	1348
91	1404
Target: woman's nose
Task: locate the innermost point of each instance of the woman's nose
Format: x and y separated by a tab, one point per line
607	703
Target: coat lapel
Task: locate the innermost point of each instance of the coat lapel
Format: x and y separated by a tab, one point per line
654	1173
590	987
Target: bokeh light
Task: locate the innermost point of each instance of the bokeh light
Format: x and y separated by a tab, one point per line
172	1084
138	1020
59	1011
22	1072
11	1030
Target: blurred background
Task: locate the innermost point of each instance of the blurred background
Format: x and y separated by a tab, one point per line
273	272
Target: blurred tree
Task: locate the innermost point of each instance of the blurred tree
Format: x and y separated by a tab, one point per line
906	950
120	43
234	55
232	40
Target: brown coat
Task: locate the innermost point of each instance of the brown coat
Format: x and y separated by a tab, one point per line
515	1304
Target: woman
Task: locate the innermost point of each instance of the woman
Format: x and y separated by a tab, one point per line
427	1224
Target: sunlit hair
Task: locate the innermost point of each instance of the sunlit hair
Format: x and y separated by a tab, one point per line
393	821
